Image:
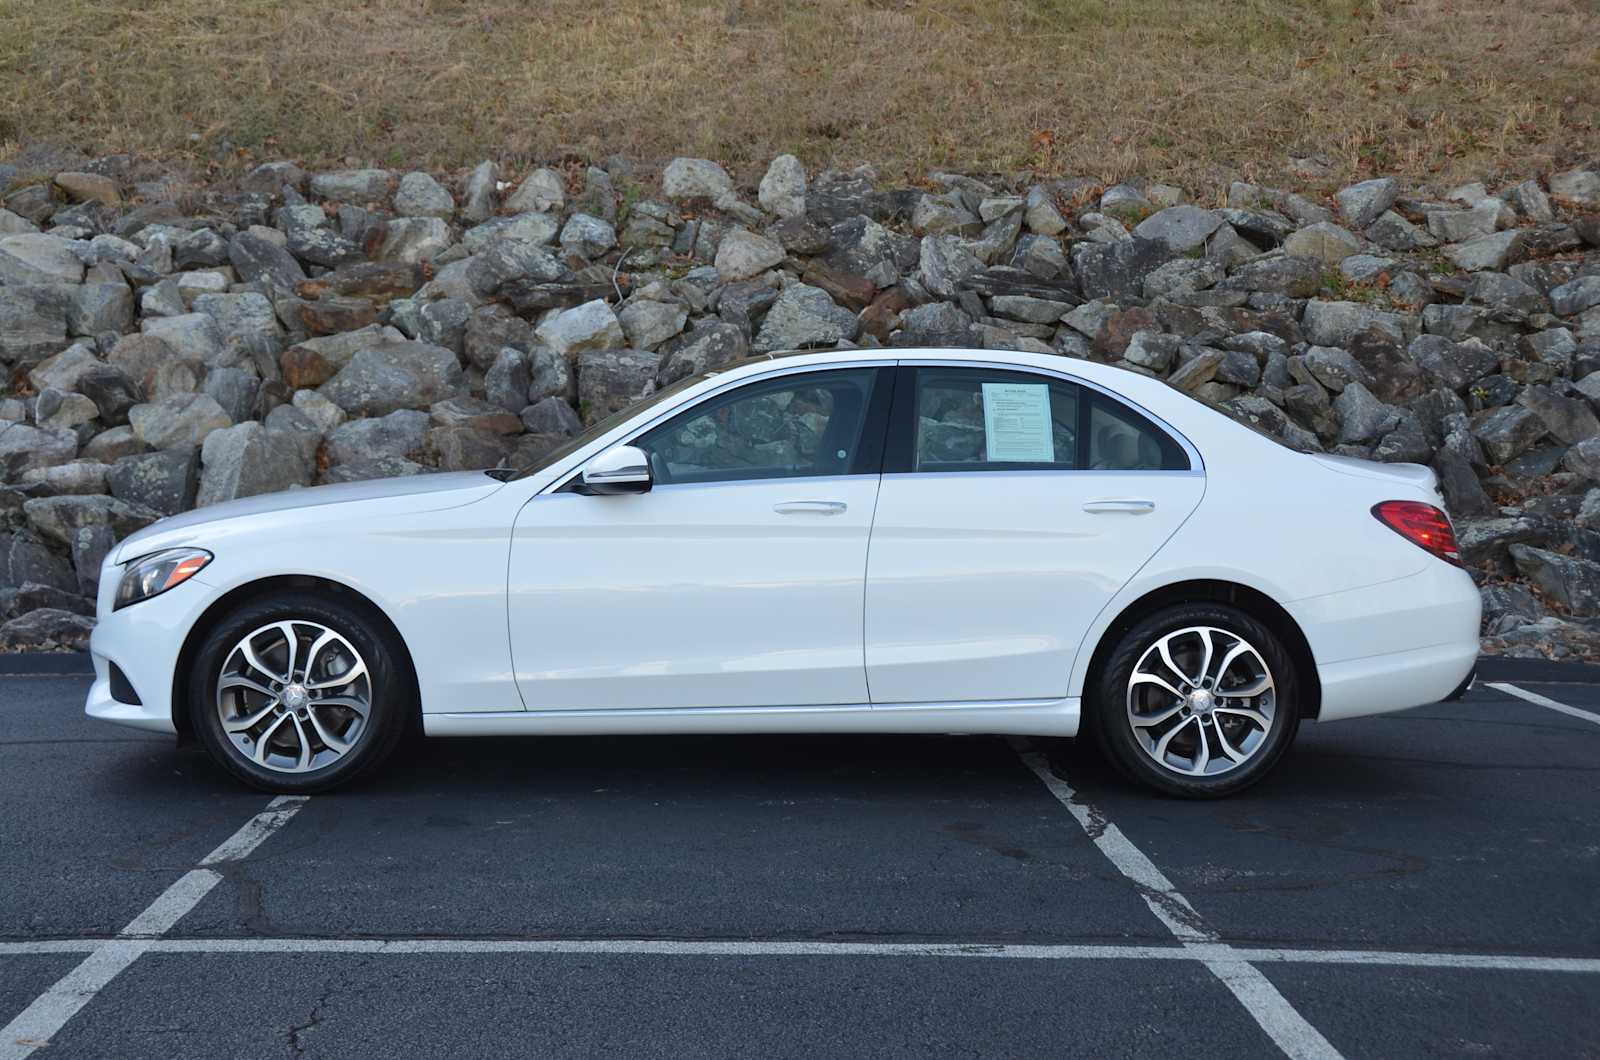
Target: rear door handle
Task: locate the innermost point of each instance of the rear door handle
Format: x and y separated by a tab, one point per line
1128	507
811	507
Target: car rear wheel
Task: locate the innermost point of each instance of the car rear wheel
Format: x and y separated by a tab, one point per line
1197	700
298	692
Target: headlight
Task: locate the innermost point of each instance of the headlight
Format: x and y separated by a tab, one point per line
154	574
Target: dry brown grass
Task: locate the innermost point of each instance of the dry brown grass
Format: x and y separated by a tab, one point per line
1191	91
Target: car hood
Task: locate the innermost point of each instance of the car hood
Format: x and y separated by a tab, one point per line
431	493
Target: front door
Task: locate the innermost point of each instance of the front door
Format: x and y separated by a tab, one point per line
735	582
1014	506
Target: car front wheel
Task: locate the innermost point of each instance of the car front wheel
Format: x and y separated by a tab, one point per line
1197	700
299	692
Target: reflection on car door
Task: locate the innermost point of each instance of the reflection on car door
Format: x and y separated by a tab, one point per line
1013	507
735	582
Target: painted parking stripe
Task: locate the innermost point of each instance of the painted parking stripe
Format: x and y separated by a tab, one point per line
434	945
1289	1030
1544	701
50	1011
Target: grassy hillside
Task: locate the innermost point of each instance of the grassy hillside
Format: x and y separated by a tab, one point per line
1186	90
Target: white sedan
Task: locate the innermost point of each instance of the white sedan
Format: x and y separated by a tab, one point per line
910	541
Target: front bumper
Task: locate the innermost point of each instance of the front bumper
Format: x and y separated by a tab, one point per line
143	640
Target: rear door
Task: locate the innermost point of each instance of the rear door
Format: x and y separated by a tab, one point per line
1013	506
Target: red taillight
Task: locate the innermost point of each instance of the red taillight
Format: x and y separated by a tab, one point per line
1421	524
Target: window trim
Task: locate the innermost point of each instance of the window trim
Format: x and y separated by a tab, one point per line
899	453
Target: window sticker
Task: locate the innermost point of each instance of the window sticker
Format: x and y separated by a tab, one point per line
1016	423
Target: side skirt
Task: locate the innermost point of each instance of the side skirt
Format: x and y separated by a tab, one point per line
1030	717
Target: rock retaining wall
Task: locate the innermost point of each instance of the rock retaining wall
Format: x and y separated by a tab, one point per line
173	345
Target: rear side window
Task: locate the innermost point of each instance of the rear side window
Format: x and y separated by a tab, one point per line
971	419
980	419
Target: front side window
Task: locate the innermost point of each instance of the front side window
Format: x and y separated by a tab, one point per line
795	426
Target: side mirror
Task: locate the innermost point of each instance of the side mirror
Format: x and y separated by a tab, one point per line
620	469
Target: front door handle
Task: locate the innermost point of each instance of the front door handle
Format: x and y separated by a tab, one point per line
1127	507
811	507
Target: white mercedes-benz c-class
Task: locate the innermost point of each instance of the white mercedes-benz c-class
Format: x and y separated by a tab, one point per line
893	541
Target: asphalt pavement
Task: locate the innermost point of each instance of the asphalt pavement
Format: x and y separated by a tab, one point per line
1418	884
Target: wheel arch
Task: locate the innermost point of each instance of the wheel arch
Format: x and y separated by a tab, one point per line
243	594
1259	605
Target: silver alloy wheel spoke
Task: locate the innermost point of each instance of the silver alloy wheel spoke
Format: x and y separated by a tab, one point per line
285	724
1217	717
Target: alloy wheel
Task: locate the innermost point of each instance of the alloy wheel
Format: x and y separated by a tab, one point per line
1201	701
294	696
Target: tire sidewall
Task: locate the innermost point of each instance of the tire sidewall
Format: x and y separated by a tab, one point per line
391	696
1115	733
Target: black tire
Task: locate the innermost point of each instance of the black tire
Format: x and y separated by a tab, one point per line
1115	731
392	694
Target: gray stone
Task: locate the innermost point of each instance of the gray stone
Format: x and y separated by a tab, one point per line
97	308
1575	296
467	448
1335	323
489	330
399	434
1393	232
1531	201
944	263
164	481
1040	213
804	316
783	189
1507	432
24	448
944	214
1181	228
550	375
63	371
1287	275
256	258
444	323
1029	308
323	414
1363	203
248	460
24	560
1362	417
1182	276
1459	226
45	629
536	228
422	196
590	326
33	321
481	194
387	467
234	389
647	324
413	239
388	375
1487	252
62	410
34	258
352	185
1580	186
182	420
611	380
1499	291
1325	242
742	255
587	236
194	336
471	412
58	518
1453	365
1568	420
247	322
695	178
709	346
551	415
506	382
1152	350
79	476
542	191
1572	582
1584	459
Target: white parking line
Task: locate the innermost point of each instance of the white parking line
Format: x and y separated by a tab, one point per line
1544	701
51	1010
1289	1030
1491	962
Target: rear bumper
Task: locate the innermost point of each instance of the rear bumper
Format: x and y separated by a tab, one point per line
1393	646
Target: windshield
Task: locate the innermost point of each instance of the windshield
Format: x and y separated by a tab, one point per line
572	445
